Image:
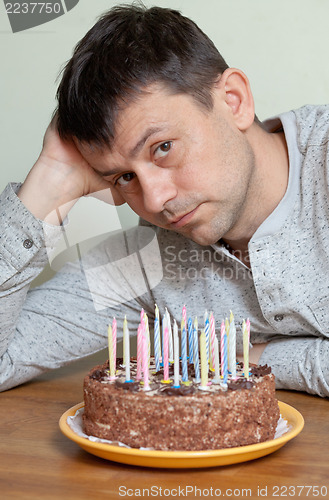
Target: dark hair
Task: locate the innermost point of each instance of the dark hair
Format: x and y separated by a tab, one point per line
129	48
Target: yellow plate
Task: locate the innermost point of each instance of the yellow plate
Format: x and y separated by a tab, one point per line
185	459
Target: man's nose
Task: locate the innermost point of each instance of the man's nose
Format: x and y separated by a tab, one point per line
158	188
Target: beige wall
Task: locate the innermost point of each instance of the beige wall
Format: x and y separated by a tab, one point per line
281	45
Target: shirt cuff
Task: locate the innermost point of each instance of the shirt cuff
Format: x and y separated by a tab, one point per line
22	236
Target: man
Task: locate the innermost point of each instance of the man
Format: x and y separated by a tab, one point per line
150	113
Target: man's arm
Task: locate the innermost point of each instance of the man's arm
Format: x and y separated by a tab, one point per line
299	364
56	323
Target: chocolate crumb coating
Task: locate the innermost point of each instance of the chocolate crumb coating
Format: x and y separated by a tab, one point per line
166	418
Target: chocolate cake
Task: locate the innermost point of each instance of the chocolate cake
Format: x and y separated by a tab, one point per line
243	412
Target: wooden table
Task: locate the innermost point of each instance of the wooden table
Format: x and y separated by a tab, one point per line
39	462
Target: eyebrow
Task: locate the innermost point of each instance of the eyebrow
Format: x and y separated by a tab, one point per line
148	133
135	149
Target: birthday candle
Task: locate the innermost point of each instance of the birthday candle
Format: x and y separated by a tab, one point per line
232	347
204	360
245	334
184	353
171	350
126	343
207	328
147	333
222	334
225	367
139	351
190	340
110	346
176	356
212	341
164	323
166	356
196	350
216	379
114	335
145	360
184	315
157	339
248	328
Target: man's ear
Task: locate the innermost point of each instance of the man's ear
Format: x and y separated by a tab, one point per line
234	89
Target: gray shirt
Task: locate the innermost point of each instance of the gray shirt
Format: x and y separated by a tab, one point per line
285	293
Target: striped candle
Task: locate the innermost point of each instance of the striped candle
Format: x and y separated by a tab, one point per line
166	356
212	341
232	347
157	350
207	330
184	352
170	340
225	367
196	350
164	323
176	356
139	351
190	340
204	360
145	360
222	335
184	316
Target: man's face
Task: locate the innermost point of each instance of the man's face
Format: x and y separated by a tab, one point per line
179	166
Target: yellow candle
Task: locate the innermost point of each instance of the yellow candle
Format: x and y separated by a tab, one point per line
245	334
111	352
204	360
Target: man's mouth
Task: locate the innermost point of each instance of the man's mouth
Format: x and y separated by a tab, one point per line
182	220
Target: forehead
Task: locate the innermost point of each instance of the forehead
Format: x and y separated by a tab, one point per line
154	112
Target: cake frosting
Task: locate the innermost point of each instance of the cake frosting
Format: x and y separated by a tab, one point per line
244	411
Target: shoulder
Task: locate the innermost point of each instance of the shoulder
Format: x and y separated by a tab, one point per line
312	126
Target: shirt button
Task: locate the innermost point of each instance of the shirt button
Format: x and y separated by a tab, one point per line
278	317
27	243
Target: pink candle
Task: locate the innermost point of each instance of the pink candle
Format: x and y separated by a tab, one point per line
166	355
248	328
185	316
145	361
222	335
139	351
212	340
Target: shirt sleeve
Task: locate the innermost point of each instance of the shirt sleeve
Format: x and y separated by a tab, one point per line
66	318
300	364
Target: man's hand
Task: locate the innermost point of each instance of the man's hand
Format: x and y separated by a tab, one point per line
58	179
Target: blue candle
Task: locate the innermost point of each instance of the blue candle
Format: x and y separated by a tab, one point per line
190	340
196	351
157	349
207	330
225	370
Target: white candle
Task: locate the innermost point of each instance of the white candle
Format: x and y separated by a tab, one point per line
176	355
232	347
171	350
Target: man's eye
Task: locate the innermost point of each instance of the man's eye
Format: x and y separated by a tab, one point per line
124	179
162	150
